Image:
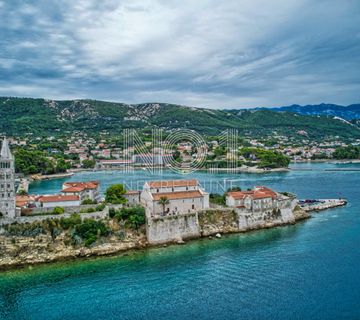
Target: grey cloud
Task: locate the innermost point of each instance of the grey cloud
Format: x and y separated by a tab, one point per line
208	53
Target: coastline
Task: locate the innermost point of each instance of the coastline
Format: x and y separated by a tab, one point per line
42	249
334	161
39	177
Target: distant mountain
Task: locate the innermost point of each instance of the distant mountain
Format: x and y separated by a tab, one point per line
349	112
40	116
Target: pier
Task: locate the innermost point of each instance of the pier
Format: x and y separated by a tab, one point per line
321	204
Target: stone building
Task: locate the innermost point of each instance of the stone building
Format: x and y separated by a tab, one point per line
260	198
7	182
260	205
132	197
88	190
182	196
52	201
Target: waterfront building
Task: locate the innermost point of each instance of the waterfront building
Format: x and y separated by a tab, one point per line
84	190
152	159
182	196
7	182
113	164
260	199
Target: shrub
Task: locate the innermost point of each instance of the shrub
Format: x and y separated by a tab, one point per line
88	201
100	207
134	216
58	210
115	194
112	212
67	223
217	199
90	229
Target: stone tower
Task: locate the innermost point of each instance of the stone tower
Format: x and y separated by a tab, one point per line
7	182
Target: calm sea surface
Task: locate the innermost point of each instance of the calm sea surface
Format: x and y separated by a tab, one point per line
307	271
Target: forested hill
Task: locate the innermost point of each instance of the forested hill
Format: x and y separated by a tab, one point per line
350	112
39	116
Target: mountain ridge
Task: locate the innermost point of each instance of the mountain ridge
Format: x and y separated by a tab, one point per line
45	116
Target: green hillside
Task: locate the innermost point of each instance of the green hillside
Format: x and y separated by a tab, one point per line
38	116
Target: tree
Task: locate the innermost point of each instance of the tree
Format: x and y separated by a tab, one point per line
58	210
349	152
61	165
22	192
115	194
164	201
88	164
232	189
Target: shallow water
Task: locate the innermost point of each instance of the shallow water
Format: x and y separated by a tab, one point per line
310	270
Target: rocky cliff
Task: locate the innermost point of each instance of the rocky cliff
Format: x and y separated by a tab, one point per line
48	241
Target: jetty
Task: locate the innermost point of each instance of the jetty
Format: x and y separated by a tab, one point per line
321	204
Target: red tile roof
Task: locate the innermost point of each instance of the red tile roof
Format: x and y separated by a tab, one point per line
23	200
177	195
58	198
257	193
80	186
132	192
73	189
173	183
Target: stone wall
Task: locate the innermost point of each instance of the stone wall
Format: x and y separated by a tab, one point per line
209	222
27	219
70	209
220	220
172	228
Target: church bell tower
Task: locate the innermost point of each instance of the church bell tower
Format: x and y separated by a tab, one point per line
7	182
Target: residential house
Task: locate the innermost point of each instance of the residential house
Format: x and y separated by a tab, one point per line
259	199
84	190
52	201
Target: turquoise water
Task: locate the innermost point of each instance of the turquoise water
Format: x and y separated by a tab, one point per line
307	271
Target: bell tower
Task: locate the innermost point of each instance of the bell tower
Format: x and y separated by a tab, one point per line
7	182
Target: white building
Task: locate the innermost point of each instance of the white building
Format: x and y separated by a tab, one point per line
151	159
62	201
259	199
132	196
7	182
114	164
84	190
173	197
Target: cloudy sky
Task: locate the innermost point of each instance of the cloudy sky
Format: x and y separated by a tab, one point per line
208	53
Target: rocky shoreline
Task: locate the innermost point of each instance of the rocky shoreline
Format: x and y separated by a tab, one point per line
22	251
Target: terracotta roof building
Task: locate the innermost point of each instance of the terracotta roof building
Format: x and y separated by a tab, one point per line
260	198
84	190
59	201
173	197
